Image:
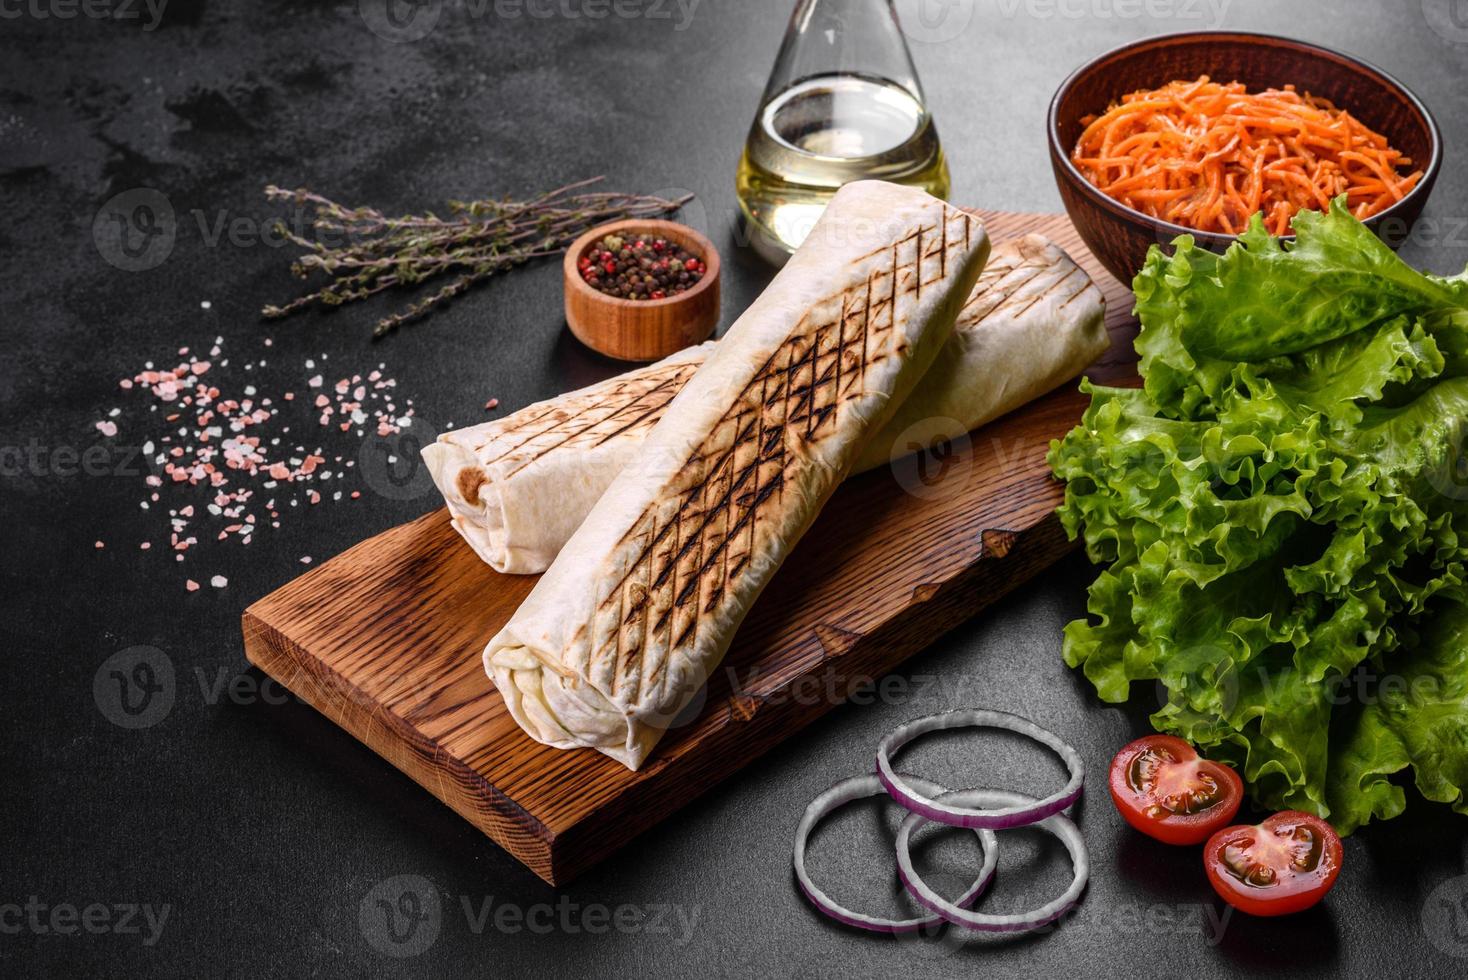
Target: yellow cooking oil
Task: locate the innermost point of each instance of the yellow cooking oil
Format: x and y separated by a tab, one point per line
825	131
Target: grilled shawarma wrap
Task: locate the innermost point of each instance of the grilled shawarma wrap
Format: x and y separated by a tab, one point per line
518	487
644	599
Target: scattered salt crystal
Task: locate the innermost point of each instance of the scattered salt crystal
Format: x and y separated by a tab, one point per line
100	546
205	304
223	443
191	585
219	581
305	559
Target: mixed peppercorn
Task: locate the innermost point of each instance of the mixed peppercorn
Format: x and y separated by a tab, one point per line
644	267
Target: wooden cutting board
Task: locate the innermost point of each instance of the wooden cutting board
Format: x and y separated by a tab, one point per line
385	639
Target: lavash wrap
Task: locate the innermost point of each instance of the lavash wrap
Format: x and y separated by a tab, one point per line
644	599
518	487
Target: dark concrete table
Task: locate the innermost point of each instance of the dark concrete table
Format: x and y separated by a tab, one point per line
268	837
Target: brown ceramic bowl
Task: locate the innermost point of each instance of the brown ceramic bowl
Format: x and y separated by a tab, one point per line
1119	235
642	329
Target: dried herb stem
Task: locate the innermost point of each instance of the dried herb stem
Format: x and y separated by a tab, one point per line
366	252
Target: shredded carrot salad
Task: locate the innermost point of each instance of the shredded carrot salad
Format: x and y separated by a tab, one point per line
1206	155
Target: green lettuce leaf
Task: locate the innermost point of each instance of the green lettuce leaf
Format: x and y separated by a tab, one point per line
1281	509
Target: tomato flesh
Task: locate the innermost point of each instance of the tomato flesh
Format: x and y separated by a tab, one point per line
1163	788
1285	864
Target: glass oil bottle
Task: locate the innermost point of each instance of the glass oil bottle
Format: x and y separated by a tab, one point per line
843	103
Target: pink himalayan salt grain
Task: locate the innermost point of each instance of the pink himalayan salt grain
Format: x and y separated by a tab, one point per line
218	450
191	585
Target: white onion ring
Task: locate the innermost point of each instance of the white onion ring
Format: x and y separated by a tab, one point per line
1057	824
861	787
1002	818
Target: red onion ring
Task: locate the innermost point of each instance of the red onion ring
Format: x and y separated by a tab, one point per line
1002	818
1057	824
860	787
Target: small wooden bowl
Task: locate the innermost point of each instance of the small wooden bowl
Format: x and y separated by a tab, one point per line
1120	236
642	329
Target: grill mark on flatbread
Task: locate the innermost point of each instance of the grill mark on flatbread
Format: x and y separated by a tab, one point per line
643	398
943	252
917	278
1041	259
1000	292
657	407
792	384
1049	290
1086	286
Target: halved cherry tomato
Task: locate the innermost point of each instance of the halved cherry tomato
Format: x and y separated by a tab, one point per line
1285	864
1165	790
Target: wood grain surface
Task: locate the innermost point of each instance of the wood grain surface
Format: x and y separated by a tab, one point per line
385	638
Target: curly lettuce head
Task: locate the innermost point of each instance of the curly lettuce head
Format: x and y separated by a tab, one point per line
1282	512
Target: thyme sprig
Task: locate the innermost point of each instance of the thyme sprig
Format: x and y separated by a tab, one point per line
366	252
